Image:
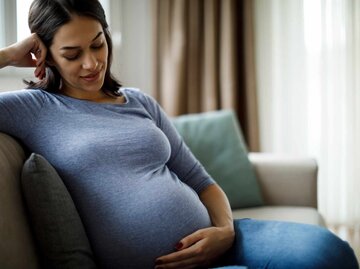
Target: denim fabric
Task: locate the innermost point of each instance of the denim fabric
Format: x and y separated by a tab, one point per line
231	267
284	245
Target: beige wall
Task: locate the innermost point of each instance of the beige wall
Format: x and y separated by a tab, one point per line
11	78
133	59
9	84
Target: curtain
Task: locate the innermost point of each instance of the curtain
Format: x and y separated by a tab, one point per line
308	73
204	59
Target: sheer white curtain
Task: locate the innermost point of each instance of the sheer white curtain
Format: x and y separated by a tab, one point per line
308	66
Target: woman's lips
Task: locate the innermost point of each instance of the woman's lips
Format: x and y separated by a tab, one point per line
92	77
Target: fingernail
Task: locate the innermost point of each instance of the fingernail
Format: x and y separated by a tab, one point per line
178	245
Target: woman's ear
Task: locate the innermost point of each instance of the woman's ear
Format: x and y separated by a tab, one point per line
49	60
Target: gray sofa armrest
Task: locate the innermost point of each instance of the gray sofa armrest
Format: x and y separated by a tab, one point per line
285	180
17	247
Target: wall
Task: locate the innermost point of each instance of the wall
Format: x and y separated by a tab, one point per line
132	23
11	78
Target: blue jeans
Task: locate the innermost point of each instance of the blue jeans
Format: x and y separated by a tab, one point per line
285	245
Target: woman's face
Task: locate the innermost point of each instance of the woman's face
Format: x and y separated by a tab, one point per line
79	52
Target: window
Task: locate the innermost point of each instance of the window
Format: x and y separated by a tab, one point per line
22	9
2	26
7	22
13	19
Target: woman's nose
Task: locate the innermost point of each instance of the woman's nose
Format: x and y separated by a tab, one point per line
90	62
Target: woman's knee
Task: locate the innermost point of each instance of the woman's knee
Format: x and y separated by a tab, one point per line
329	251
272	244
316	247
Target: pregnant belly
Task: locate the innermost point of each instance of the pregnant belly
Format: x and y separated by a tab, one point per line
132	226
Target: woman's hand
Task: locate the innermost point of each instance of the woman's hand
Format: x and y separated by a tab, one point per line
30	52
206	245
199	249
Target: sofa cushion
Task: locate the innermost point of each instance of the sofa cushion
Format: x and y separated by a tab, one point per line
215	139
299	214
57	226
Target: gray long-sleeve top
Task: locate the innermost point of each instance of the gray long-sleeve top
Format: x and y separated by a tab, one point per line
133	180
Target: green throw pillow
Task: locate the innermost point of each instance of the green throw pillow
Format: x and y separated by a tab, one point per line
57	227
216	141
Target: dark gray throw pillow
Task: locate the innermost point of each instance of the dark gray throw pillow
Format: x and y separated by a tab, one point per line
57	227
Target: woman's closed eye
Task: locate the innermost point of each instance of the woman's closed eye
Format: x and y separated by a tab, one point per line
97	45
76	55
71	57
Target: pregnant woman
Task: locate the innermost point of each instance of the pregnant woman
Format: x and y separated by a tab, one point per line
144	199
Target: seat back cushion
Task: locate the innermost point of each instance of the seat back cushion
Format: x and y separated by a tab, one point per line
216	140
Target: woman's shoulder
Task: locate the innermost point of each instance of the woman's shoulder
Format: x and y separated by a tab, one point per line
24	96
139	95
145	101
129	91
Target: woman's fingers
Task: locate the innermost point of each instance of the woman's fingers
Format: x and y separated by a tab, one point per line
190	240
186	258
30	52
40	72
183	264
39	50
197	249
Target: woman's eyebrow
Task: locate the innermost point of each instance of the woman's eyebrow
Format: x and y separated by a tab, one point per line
78	47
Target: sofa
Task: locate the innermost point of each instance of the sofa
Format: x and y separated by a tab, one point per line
288	186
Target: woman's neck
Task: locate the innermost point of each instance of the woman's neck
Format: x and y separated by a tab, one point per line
99	96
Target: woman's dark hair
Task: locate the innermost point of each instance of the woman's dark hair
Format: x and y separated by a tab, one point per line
47	16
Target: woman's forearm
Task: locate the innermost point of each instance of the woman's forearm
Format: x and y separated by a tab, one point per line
30	52
3	58
218	206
